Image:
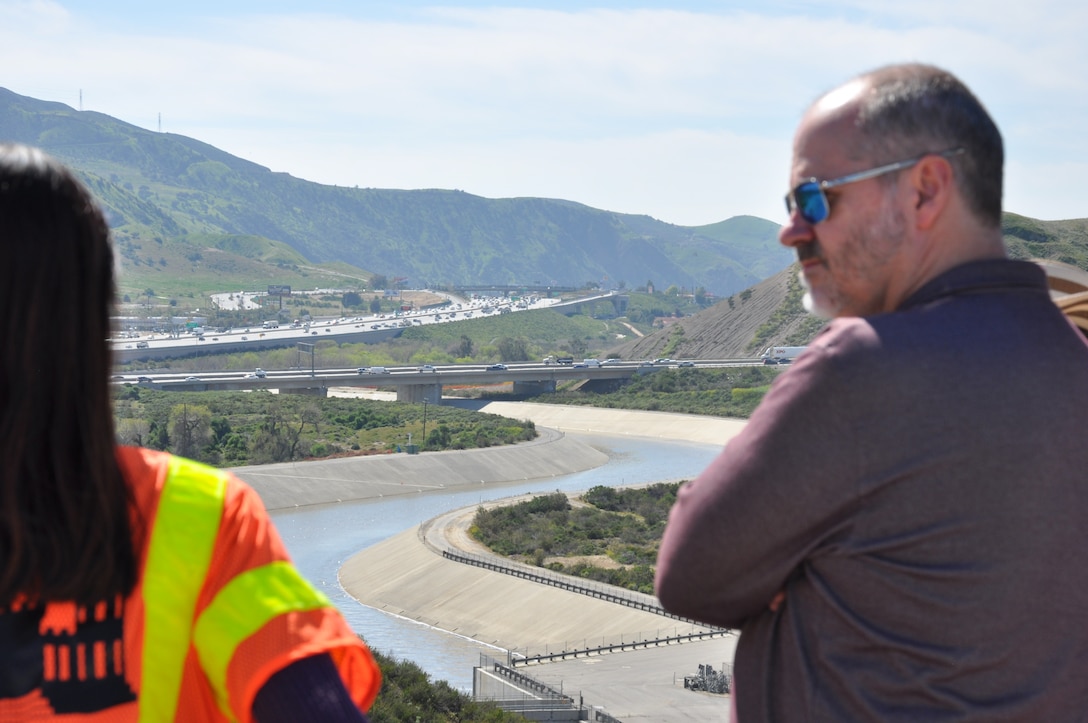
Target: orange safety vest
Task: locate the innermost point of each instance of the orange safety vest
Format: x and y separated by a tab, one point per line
218	609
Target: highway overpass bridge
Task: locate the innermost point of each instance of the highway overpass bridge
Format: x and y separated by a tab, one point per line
410	383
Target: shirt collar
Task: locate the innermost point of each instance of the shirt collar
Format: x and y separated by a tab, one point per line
977	276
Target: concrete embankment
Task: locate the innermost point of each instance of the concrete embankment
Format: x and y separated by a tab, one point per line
623	422
297	484
403	576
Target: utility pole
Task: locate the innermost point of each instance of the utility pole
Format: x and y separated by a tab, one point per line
307	349
424	421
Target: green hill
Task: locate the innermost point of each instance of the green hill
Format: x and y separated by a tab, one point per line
162	190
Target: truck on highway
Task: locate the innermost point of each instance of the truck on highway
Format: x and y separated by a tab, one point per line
781	354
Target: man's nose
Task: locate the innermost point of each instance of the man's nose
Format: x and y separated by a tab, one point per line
796	231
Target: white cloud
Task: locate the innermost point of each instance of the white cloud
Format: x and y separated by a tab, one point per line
645	111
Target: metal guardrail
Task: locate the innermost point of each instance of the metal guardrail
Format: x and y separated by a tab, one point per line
620	647
541	696
565	582
531	684
609	594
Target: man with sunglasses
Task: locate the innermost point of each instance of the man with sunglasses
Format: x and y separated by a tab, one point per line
895	529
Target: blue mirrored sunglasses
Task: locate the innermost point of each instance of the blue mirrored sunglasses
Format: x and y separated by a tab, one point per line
811	202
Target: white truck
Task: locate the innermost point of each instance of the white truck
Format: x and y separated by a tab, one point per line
781	354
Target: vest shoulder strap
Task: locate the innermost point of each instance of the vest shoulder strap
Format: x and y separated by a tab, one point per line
179	554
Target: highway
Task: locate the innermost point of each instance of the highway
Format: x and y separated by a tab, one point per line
370	329
410	376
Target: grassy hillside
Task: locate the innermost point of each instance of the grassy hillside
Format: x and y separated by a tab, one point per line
163	188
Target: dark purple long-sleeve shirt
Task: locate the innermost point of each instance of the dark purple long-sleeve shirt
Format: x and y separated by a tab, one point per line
917	486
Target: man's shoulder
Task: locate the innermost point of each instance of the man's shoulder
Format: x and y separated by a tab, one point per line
845	339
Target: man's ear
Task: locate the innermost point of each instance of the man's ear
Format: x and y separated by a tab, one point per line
932	185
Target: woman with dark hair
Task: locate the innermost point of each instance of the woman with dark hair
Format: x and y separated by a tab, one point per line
134	585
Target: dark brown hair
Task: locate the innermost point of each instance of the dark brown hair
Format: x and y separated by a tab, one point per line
913	109
65	531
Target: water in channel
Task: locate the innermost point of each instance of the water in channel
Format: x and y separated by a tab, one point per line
321	538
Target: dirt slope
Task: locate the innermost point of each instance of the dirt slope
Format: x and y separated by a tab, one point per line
726	331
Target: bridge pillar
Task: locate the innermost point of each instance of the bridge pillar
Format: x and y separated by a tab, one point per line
417	393
531	389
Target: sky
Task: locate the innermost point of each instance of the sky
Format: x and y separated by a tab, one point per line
683	110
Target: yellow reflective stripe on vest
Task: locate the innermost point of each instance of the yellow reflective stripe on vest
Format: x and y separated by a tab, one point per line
179	554
244	605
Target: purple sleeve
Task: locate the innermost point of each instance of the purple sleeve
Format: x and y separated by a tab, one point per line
306	691
741	530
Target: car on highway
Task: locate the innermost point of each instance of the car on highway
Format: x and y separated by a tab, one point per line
663	360
497	368
427	368
261	373
686	363
141	345
143	380
193	379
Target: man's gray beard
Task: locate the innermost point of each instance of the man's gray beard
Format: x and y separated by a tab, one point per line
809	301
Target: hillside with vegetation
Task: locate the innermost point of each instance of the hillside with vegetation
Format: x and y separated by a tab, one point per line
240	428
608	535
162	189
409	695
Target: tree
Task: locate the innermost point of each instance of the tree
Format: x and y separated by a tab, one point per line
375	305
190	429
133	432
270	443
465	350
513	349
352	299
378	281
